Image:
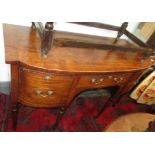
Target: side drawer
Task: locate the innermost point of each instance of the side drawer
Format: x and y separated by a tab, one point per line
36	78
41	89
39	97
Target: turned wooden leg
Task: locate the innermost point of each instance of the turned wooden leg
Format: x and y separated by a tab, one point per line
14	115
59	117
115	98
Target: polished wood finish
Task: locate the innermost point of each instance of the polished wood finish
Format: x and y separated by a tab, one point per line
41	89
106	80
14	92
65	59
68	70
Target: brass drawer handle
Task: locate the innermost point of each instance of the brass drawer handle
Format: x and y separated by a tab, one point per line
47	77
40	93
118	79
110	77
94	81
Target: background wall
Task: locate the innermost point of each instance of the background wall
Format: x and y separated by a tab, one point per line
5	69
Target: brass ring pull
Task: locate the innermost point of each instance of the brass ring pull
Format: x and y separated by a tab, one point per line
47	77
118	79
94	81
40	93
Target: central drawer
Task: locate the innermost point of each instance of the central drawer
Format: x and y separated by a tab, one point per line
104	80
42	89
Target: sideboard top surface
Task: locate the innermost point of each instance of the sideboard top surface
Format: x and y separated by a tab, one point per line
22	45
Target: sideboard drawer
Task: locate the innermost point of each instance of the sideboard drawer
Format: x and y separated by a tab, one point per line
41	89
39	97
36	78
106	80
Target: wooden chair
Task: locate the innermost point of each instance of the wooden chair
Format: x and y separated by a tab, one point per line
134	122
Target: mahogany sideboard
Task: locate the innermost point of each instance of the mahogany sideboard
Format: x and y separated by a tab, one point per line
68	69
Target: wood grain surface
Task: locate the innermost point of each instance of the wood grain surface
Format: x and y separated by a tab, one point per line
22	45
75	63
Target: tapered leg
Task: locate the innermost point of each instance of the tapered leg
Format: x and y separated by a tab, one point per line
108	103
59	117
14	115
113	100
14	92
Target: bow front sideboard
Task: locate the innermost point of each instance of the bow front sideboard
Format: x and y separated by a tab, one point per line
69	68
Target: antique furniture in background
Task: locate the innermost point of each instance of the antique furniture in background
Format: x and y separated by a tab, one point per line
145	30
50	68
151	40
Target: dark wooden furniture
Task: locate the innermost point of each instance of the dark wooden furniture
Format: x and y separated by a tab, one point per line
75	63
151	40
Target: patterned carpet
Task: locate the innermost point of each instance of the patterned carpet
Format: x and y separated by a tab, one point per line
80	116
